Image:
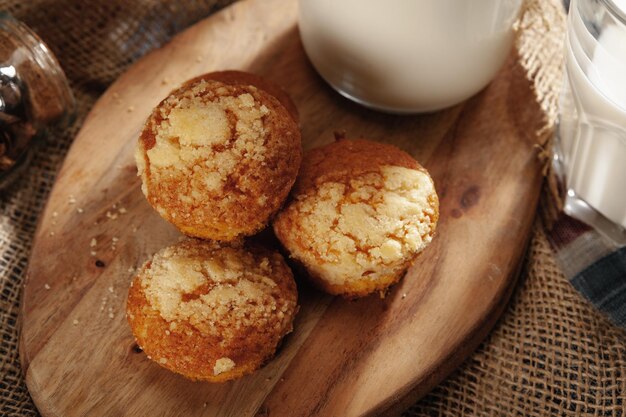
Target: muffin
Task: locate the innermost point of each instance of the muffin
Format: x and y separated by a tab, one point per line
359	214
212	311
218	156
239	77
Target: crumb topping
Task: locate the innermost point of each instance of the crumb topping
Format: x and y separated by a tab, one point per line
223	365
204	138
367	226
219	290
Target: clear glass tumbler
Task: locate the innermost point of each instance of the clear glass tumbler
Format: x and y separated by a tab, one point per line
590	146
408	56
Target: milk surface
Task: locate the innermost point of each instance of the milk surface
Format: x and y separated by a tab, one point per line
408	55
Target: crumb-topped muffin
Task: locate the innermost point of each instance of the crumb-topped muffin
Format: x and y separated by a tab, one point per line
246	78
360	212
217	158
212	311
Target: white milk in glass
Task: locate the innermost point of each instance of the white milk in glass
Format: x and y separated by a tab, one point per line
408	55
593	119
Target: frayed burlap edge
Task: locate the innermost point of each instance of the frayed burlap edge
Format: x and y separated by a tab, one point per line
540	43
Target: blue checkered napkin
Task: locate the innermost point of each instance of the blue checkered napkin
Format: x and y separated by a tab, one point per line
594	265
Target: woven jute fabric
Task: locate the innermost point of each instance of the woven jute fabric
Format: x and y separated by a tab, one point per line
550	354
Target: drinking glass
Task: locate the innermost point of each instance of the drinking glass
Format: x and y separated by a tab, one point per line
590	145
408	56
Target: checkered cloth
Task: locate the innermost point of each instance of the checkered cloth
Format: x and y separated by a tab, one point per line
593	264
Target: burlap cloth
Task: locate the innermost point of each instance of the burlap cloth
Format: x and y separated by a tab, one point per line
550	354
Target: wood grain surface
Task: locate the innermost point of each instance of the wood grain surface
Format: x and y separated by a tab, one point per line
368	357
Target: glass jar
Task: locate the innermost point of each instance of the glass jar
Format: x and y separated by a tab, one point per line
590	146
34	95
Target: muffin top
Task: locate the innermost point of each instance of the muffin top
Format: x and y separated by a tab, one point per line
218	159
204	309
217	289
360	210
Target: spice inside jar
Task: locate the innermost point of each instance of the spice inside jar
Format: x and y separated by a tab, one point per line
34	94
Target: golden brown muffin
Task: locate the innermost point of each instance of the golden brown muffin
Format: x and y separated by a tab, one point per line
212	311
217	158
360	212
233	77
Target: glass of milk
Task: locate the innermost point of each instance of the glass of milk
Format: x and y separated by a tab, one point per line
408	56
590	147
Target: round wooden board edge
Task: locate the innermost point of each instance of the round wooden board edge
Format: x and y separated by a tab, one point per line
476	335
464	350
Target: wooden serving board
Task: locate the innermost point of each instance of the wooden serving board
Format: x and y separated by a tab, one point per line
367	357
